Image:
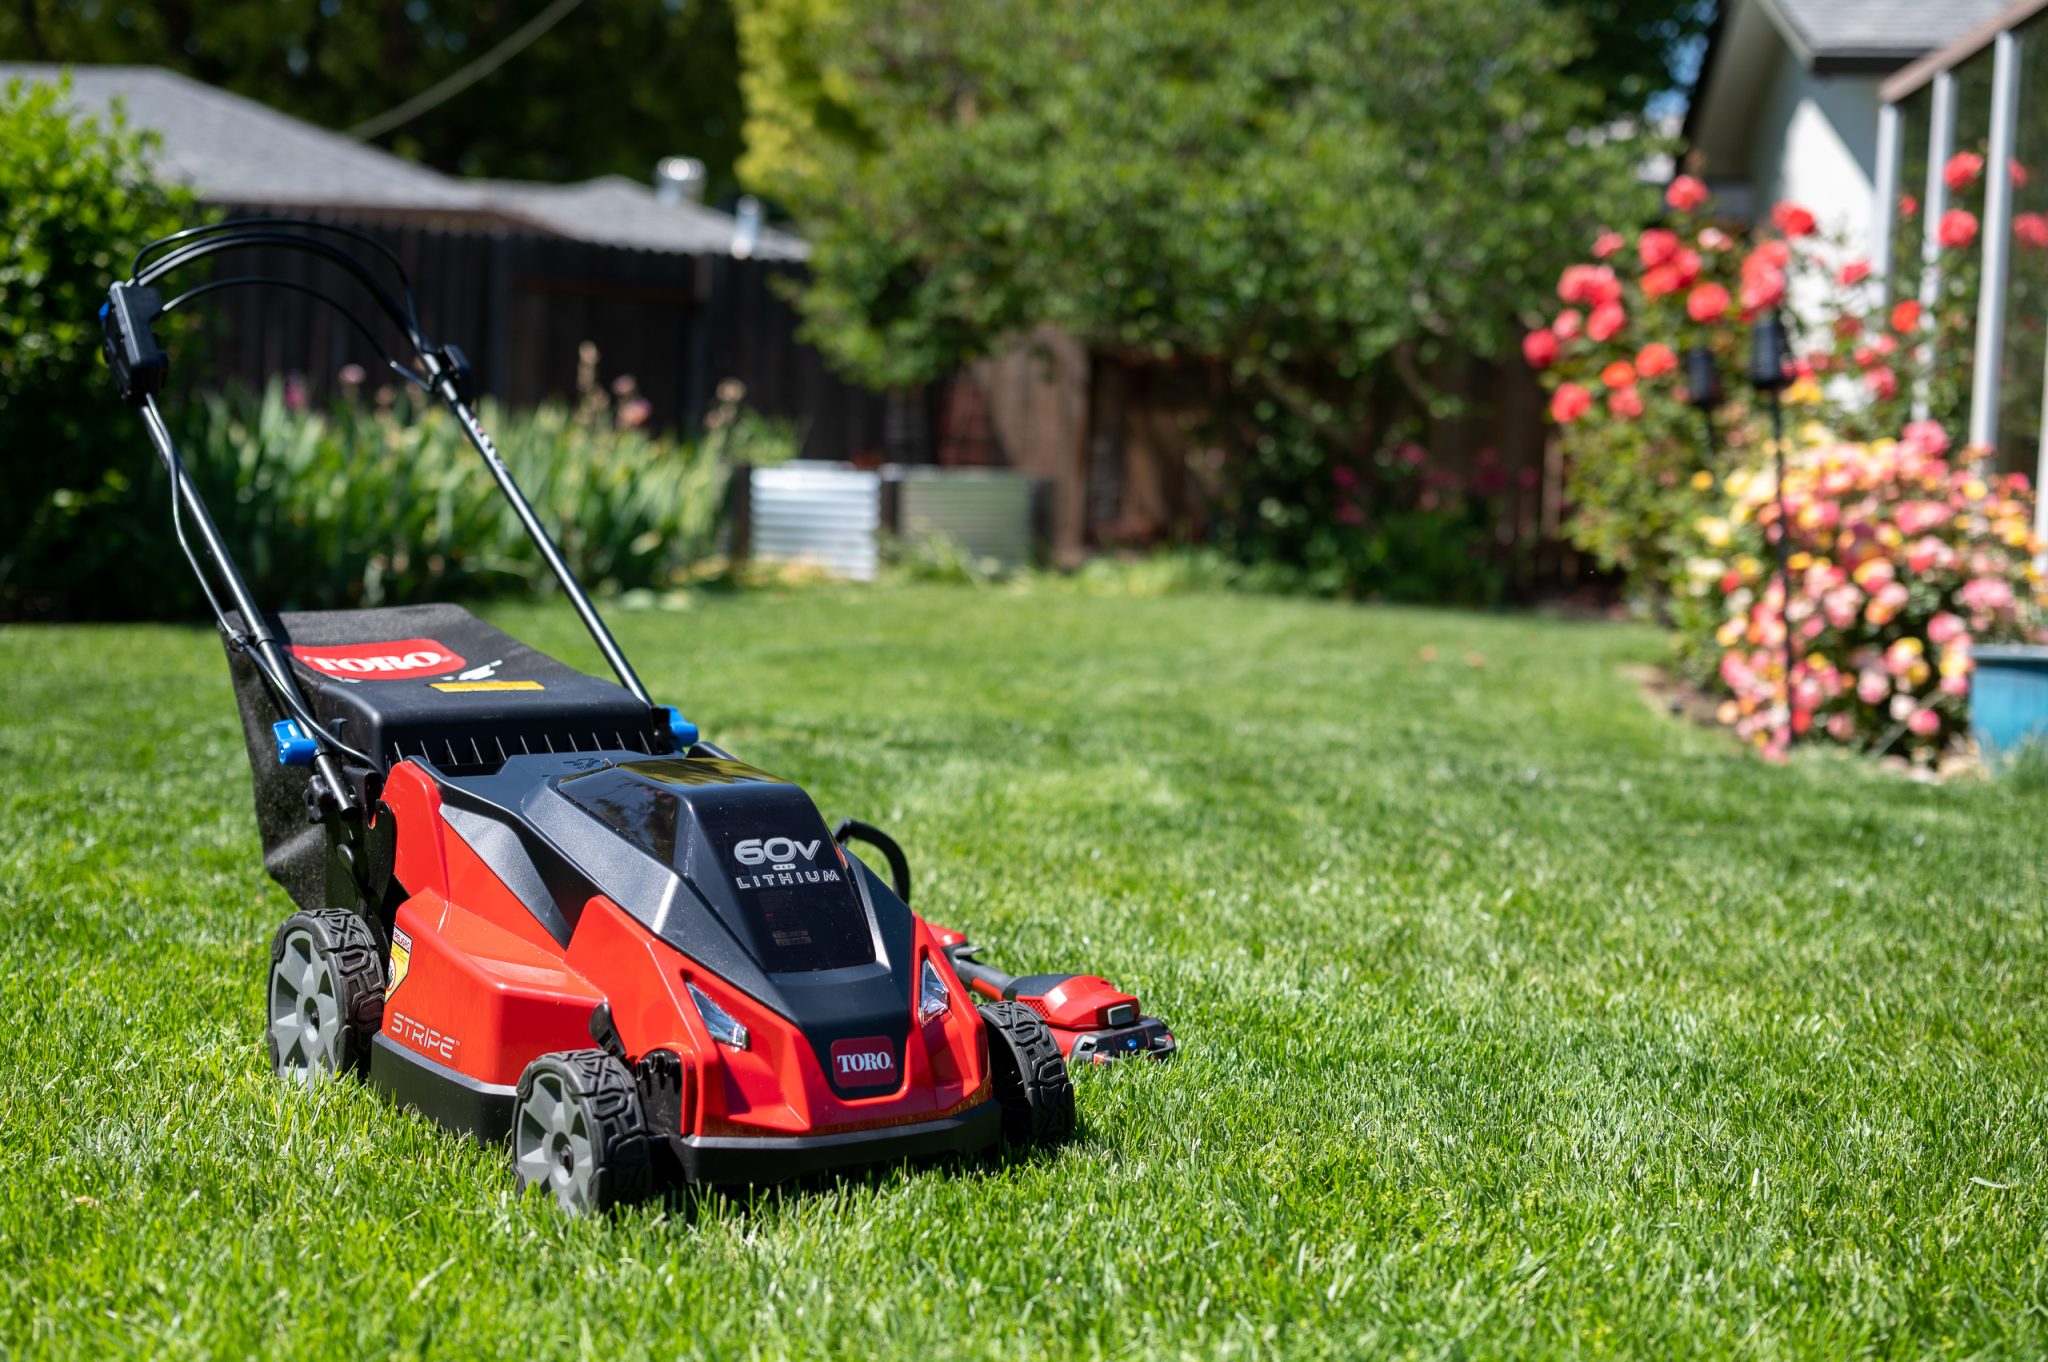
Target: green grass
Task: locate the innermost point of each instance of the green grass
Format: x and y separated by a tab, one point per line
1518	1018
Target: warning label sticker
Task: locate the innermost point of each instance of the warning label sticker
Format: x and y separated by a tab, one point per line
401	959
486	685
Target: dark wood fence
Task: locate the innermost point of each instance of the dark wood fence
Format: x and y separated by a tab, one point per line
521	306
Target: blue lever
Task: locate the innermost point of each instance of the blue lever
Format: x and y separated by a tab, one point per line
681	729
294	748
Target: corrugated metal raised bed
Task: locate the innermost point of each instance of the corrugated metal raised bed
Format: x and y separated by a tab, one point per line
832	516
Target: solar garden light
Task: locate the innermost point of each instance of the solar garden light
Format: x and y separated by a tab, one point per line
1769	374
1703	392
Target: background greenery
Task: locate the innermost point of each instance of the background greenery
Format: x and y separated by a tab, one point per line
76	201
1519	1020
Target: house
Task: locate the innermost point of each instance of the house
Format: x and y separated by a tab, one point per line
672	291
1787	101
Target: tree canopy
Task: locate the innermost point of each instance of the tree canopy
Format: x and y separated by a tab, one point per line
609	89
1301	189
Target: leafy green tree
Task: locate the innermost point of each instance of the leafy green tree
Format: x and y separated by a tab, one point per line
76	201
1297	207
613	86
1636	50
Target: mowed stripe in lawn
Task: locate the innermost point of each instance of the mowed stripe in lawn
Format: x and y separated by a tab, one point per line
1519	1019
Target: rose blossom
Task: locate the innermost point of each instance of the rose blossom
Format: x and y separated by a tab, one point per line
1957	229
1624	404
1906	315
1962	171
2030	230
1925	723
1567	324
1792	220
1569	402
1854	272
1607	319
1619	374
1608	243
1539	348
1686	194
1706	302
1656	246
1656	359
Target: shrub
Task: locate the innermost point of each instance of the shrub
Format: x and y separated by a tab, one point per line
1899	561
76	202
1615	358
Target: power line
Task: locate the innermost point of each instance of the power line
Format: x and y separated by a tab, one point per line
469	75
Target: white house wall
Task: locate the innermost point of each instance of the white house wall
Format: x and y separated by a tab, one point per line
1815	145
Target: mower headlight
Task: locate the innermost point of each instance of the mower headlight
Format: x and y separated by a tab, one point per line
933	997
723	1026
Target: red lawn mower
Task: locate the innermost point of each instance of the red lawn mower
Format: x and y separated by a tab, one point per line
537	906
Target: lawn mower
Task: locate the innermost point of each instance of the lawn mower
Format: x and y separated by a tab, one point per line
541	908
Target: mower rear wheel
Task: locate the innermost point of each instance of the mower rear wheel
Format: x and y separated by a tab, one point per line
1031	1083
577	1130
326	995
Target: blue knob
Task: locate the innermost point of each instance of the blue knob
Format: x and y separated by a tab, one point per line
681	729
294	748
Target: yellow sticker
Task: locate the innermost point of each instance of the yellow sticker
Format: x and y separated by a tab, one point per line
401	959
487	685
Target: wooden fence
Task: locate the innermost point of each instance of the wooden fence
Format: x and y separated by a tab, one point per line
520	306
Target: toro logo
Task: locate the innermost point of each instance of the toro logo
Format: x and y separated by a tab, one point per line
399	660
866	1063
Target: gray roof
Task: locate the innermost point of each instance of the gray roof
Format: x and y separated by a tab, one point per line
234	150
1877	30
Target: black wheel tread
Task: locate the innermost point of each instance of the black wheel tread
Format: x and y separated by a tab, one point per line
1032	1085
358	961
610	1099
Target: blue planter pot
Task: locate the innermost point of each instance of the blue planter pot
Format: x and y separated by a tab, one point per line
2009	697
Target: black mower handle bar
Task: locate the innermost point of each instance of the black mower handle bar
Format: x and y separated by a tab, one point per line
139	366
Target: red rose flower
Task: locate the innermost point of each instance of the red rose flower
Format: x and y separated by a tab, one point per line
1848	328
2019	172
1656	246
1882	382
1619	374
1624	404
1588	285
1686	194
1567	324
1957	229
1605	320
1539	348
1608	243
1569	402
1962	171
1854	272
1792	220
1654	359
1908	206
1706	302
1662	281
1763	283
1906	315
2030	230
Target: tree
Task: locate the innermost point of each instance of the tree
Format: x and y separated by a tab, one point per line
76	201
1299	205
1636	50
611	88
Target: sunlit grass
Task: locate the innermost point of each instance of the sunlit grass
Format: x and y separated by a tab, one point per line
1518	1018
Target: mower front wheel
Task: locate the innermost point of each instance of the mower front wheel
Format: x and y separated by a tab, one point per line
326	996
1031	1083
577	1130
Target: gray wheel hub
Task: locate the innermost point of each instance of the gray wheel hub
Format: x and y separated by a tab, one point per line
305	1011
551	1143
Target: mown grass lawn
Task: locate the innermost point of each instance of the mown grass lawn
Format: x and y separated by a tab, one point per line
1518	1018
